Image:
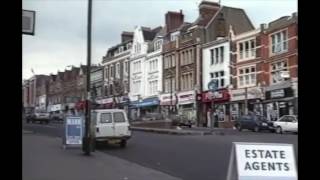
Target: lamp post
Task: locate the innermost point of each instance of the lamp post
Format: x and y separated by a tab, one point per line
87	143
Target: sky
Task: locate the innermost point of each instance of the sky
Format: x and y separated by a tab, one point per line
60	38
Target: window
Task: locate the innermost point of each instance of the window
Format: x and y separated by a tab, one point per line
157	44
118	117
118	70
106	118
276	71
126	67
212	56
186	81
106	72
247	76
247	49
279	42
173	61
129	45
111	71
221	54
120	49
220	77
217	55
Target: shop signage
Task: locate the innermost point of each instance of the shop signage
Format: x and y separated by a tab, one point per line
249	161
165	99
73	130
105	101
252	93
277	93
220	95
186	97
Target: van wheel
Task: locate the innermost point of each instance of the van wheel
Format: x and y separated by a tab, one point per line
123	143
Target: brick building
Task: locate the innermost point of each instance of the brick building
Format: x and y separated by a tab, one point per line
183	53
116	73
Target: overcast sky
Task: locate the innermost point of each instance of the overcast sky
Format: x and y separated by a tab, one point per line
60	29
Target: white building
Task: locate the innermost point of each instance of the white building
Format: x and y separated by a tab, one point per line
216	66
216	63
145	71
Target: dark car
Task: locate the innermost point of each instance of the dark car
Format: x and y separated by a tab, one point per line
181	120
254	123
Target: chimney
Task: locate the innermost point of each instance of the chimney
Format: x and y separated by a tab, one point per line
294	15
263	27
208	9
173	20
126	36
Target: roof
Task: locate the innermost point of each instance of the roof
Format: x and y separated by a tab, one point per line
148	35
282	22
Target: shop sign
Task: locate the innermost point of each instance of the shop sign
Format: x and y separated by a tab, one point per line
277	93
220	95
186	97
263	161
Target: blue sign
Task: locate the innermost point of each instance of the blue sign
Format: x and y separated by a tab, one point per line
74	130
145	102
213	85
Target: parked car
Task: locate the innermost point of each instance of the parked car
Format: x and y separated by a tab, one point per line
254	122
286	123
57	116
181	120
153	116
39	116
28	113
111	126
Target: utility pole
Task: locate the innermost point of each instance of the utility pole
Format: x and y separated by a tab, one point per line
86	142
246	102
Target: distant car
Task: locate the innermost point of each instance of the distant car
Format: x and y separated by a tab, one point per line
57	116
286	123
38	116
181	120
254	123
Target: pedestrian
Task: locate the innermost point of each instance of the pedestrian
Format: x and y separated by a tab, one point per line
209	118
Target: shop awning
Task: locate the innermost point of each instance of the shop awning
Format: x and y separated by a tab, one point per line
281	99
145	103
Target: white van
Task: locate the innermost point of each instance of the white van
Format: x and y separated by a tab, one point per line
111	125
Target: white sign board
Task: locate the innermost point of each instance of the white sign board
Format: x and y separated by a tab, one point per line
263	161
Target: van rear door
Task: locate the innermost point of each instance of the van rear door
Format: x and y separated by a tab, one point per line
105	125
121	124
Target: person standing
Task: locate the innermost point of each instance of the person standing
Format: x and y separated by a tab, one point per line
209	119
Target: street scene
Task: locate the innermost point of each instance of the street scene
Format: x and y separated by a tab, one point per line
201	89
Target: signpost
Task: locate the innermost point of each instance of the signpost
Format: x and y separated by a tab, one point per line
73	131
263	161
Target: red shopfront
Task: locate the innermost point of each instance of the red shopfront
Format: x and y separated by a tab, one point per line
218	104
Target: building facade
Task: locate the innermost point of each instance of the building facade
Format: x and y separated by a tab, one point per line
116	74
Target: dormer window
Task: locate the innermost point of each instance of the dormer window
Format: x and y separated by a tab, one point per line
129	45
157	44
120	49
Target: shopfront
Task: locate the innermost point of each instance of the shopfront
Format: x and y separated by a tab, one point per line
168	103
217	105
140	108
280	102
187	105
238	106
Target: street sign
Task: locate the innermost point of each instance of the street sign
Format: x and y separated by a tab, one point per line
73	130
28	22
213	85
263	161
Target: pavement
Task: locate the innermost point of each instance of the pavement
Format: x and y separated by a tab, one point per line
44	158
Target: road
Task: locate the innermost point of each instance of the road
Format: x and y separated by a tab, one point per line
185	157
